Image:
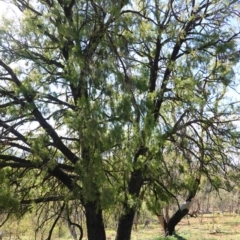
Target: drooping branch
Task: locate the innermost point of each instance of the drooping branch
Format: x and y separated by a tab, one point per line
55	222
39	117
76	225
43	199
6	219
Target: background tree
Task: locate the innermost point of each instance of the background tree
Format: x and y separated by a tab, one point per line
97	96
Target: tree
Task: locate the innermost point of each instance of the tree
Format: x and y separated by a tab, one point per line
98	96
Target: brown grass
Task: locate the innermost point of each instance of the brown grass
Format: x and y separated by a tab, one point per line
207	227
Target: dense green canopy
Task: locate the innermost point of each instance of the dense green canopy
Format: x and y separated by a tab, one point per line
113	102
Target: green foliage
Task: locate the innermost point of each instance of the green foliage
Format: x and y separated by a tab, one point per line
113	103
8	202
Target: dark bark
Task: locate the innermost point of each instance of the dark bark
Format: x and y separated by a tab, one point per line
136	181
174	220
125	226
154	67
181	212
126	220
94	222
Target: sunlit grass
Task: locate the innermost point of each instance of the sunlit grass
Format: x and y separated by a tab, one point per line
209	227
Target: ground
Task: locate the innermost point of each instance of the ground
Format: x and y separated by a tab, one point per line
206	227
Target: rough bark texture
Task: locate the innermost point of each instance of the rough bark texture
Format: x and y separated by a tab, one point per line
125	226
94	221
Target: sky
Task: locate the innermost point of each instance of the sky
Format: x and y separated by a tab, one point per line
9	10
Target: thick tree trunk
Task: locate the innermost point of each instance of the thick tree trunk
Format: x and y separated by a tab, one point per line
126	220
125	226
94	221
134	186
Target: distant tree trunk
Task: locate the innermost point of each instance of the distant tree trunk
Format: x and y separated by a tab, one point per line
167	213
196	209
71	227
162	221
136	219
238	203
72	231
94	221
208	204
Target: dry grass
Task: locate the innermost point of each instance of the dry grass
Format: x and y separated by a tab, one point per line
209	227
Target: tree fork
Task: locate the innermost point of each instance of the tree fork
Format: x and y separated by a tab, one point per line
182	211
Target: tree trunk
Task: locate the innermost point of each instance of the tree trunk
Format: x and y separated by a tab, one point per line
174	220
72	231
134	186
125	226
94	221
167	218
126	220
182	211
136	219
162	221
